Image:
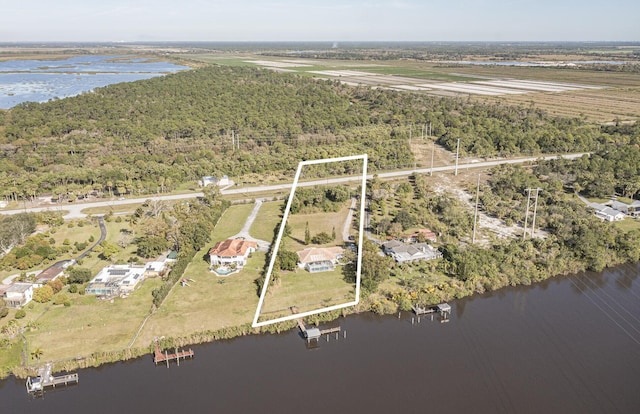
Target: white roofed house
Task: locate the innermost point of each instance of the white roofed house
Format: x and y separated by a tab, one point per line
18	294
634	209
320	259
607	213
116	280
403	253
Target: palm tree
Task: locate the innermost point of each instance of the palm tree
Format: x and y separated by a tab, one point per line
37	353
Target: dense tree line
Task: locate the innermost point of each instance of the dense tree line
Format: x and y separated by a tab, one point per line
15	229
193	225
153	135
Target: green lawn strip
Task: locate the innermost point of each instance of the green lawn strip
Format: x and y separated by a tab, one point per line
115	209
232	221
307	291
268	217
208	303
627	224
90	325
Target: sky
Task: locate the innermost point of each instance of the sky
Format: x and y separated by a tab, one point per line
323	20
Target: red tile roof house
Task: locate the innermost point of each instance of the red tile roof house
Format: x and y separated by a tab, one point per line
231	252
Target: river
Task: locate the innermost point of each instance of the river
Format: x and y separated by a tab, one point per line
567	345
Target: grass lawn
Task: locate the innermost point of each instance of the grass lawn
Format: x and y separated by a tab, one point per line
627	224
318	222
116	209
89	325
307	291
231	222
208	303
266	221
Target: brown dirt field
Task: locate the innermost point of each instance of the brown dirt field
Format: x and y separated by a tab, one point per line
600	105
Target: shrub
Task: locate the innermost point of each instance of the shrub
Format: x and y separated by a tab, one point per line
321	238
91	239
21	313
4	312
73	288
60	299
43	294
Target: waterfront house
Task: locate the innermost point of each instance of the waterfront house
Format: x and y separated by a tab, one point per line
18	294
320	259
116	280
232	252
403	253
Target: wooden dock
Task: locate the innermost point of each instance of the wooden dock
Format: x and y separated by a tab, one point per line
159	356
313	333
422	311
45	380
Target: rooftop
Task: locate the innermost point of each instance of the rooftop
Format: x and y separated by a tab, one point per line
320	254
232	248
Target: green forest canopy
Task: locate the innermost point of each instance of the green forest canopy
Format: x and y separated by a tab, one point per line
152	135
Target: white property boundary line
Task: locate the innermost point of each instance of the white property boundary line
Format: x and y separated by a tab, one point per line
274	253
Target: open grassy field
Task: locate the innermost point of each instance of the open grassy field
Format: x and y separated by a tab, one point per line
208	303
267	219
306	291
89	325
318	222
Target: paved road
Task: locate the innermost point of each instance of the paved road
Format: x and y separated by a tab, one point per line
75	210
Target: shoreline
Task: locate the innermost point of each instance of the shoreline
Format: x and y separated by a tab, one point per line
368	304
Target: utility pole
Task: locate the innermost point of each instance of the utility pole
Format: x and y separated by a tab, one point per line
475	215
457	156
526	214
433	151
535	208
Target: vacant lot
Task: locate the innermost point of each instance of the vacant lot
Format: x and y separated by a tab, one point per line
89	325
306	291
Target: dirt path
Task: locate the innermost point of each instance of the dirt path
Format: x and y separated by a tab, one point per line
346	229
244	232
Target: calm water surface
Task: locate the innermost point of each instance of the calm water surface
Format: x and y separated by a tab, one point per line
42	80
568	345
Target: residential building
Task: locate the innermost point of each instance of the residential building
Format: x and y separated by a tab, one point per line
211	180
426	234
116	280
320	259
153	269
18	294
53	272
232	252
403	253
607	213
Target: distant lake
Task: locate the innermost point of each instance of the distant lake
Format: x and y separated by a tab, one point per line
42	80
